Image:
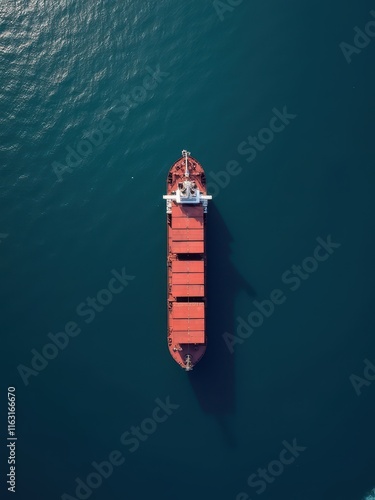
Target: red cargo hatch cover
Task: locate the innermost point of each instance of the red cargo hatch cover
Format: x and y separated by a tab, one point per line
188	290
187	234
188	310
187	247
193	337
187	266
184	222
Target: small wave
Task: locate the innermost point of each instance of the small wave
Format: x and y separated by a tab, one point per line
370	496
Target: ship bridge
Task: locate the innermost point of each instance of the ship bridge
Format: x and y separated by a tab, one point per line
187	191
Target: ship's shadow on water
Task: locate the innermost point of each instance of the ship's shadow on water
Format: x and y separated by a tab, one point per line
213	379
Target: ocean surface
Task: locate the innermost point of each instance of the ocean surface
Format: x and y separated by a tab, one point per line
97	100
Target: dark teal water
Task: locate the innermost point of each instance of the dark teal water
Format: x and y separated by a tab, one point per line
73	71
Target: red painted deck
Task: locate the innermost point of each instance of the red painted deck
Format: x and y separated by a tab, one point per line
187	211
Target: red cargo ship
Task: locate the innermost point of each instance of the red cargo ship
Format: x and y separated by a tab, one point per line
187	201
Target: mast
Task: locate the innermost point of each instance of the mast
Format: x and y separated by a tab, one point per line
185	154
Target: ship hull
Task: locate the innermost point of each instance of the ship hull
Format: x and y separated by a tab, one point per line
186	262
